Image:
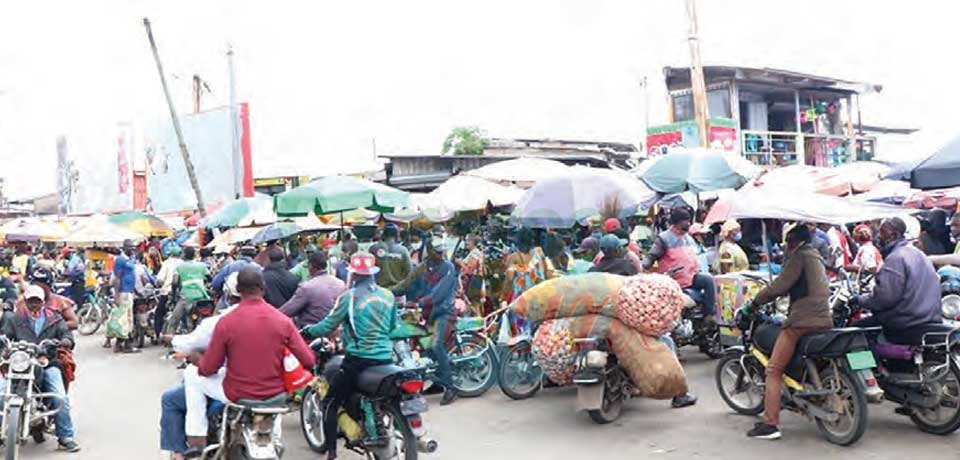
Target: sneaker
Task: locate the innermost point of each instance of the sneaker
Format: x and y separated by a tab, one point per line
903	410
69	445
682	401
193	452
764	431
449	396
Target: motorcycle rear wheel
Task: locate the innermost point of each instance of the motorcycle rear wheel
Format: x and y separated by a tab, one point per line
408	442
520	376
950	391
610	410
474	377
855	405
12	439
732	381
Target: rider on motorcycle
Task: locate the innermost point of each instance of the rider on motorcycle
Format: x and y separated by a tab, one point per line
368	314
907	291
804	278
191	277
35	324
57	303
674	251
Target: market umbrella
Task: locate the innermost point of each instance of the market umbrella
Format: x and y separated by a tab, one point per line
940	170
524	171
99	232
243	212
466	193
286	229
142	223
929	199
232	237
339	193
195	219
31	229
783	204
839	181
697	170
420	211
562	201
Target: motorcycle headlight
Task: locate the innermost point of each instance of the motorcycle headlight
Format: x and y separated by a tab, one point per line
950	306
19	362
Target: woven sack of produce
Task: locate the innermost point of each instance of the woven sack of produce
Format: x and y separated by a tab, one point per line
650	303
651	365
554	349
570	296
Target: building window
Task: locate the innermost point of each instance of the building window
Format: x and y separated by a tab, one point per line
718	103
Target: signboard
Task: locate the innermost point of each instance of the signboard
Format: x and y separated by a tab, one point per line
94	170
723	136
208	138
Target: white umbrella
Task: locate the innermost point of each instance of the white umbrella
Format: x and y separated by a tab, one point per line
466	193
524	171
98	232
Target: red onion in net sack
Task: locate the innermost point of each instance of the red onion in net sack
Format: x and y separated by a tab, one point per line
650	304
554	348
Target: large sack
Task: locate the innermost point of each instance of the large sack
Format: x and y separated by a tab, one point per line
651	365
554	349
650	303
570	296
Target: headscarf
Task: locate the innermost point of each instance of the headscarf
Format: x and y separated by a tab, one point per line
728	228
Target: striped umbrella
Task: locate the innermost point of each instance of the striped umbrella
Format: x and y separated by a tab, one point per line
142	223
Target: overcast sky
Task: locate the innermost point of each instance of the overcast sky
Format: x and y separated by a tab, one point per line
324	79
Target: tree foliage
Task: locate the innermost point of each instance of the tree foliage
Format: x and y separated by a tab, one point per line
465	141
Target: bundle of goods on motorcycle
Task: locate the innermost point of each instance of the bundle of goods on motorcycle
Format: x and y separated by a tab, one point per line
631	312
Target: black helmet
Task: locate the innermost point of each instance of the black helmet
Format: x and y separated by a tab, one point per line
41	275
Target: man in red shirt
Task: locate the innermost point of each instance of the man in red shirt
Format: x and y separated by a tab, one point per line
251	340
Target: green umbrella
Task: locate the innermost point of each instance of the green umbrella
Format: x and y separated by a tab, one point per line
243	212
337	194
697	170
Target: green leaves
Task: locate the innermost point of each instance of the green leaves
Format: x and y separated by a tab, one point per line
465	141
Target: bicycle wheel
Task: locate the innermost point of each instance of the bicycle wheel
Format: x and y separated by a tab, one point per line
90	319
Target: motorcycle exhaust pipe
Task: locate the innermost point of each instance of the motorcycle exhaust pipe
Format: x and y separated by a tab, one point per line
427	445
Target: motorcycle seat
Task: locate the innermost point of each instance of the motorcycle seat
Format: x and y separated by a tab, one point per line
834	342
277	401
332	366
371	380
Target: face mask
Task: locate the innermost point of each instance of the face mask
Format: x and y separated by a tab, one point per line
737	236
416	246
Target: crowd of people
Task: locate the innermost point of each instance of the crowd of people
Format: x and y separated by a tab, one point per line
273	296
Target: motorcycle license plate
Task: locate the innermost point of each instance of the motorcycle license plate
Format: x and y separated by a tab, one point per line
413	406
860	360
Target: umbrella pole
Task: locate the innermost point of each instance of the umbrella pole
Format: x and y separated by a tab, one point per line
341	226
766	248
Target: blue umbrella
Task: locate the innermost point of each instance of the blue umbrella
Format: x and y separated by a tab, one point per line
697	170
582	193
277	231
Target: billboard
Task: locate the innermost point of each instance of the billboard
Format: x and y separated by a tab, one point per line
94	169
208	136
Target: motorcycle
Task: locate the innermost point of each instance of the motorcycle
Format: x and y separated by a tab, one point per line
473	357
28	411
602	385
950	292
692	330
244	431
822	381
197	311
381	421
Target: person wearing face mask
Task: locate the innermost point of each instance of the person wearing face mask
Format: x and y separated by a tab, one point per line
804	279
907	292
674	252
731	257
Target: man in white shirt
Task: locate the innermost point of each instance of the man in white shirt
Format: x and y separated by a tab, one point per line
165	280
196	388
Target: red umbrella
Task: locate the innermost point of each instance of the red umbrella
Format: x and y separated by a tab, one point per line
943	198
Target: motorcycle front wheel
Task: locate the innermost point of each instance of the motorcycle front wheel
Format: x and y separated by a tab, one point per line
520	376
90	319
473	377
945	419
853	417
12	438
311	420
740	390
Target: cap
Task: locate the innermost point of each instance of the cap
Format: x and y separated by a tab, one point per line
438	244
611	242
589	244
611	224
33	292
230	286
363	263
248	251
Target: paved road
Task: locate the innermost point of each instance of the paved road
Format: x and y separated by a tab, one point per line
116	409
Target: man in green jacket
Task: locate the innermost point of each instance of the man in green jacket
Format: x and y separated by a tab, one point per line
191	277
368	314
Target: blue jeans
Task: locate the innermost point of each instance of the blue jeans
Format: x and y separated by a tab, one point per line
444	376
173	415
53	383
703	283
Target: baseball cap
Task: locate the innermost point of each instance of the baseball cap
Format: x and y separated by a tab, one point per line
363	263
611	224
230	286
589	244
611	242
33	292
699	229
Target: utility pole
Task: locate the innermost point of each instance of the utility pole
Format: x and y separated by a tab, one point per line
176	123
646	116
697	83
234	126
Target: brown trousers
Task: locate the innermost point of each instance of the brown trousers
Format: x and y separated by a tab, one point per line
782	353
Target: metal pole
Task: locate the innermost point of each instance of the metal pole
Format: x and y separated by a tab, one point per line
766	248
234	125
176	123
